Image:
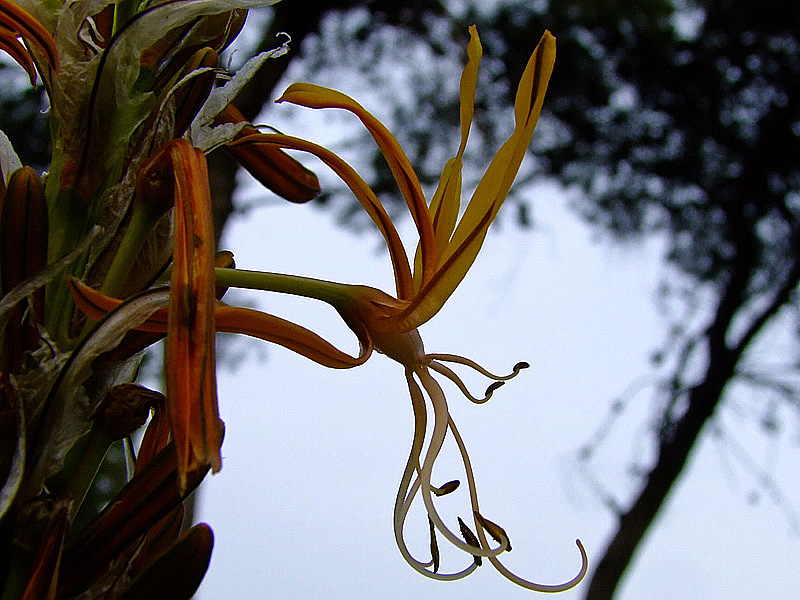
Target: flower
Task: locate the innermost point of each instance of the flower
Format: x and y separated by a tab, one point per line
447	248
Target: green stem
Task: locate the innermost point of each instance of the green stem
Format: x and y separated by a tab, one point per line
17	575
87	466
331	292
68	224
141	225
123	12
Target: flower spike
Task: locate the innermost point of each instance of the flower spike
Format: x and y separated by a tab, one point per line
447	248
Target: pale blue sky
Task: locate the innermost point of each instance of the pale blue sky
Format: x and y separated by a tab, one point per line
312	456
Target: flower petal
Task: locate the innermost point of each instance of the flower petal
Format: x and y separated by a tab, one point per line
468	237
21	23
189	361
231	319
446	201
365	196
314	96
496	181
289	335
10	45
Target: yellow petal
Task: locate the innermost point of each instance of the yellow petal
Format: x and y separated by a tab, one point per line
496	181
468	237
446	201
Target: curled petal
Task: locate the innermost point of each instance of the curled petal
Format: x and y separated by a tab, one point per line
10	45
365	196
294	337
314	96
230	319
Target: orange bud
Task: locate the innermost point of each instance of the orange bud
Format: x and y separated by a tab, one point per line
189	358
177	573
23	252
23	228
191	96
147	498
43	574
271	166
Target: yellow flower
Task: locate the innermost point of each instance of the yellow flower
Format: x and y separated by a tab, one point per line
448	245
447	248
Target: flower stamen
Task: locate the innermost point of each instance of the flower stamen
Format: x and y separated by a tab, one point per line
452	376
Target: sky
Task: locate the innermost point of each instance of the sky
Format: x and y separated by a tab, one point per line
312	457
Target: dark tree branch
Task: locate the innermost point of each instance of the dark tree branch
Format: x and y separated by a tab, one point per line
674	449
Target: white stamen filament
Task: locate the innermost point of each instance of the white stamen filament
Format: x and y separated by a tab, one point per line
441	424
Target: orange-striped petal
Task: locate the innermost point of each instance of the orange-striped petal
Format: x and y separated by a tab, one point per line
289	335
189	361
17	22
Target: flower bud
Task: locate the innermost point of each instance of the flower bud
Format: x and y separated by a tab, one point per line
272	167
124	409
191	96
23	252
